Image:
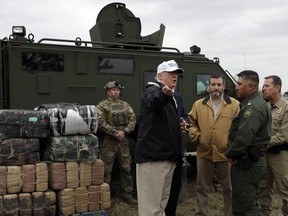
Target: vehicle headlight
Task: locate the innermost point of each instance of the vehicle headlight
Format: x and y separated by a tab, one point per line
19	31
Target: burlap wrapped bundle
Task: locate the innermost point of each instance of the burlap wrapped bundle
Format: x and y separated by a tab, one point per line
14	179
38	204
11	205
29	177
72	169
3	180
50	203
94	198
66	201
25	204
57	174
81	199
97	172
2	209
41	176
85	174
105	197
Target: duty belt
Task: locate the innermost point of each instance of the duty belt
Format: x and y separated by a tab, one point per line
276	149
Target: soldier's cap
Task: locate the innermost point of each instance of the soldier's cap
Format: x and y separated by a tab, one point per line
169	66
113	84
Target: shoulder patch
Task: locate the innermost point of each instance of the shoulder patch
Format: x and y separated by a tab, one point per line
247	113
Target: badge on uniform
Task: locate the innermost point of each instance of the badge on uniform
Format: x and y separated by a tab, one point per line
279	110
247	113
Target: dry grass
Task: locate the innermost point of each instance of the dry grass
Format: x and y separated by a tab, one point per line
186	206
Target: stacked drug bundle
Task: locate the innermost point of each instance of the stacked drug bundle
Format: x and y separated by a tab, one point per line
49	162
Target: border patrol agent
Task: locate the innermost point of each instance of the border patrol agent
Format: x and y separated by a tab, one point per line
116	119
249	135
277	153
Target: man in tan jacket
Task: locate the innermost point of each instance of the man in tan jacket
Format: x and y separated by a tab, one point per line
277	149
210	120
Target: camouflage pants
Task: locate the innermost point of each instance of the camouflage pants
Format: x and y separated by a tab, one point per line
112	150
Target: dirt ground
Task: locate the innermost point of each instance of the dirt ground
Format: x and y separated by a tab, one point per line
186	206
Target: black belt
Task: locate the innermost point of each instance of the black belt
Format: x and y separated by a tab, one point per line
276	149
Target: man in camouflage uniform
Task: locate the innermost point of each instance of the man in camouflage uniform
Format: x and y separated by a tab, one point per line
116	119
250	132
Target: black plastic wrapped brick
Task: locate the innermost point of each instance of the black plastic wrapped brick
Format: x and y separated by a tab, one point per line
24	123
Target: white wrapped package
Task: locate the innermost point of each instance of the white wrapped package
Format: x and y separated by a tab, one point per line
72	120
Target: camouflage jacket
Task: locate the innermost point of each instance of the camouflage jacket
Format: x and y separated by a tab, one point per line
115	116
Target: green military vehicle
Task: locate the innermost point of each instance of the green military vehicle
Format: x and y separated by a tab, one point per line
74	71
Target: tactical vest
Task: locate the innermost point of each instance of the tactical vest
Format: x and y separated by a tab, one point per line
118	115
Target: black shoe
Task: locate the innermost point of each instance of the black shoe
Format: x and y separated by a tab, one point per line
130	200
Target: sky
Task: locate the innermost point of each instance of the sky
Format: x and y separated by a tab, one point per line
243	34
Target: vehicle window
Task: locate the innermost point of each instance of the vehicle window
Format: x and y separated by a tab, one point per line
202	83
34	61
115	65
149	76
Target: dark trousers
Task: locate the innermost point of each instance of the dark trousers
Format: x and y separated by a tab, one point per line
245	184
171	207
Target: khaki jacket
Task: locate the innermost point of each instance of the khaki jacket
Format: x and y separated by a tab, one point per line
211	134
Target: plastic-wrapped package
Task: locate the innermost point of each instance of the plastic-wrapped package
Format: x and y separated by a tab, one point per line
72	148
19	151
69	120
24	123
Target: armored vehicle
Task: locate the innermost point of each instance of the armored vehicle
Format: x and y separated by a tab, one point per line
75	71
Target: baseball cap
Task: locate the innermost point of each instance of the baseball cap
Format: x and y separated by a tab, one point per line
113	84
169	66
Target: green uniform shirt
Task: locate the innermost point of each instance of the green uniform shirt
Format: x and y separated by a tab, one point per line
252	127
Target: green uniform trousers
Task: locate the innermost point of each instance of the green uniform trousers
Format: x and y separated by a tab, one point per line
245	184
